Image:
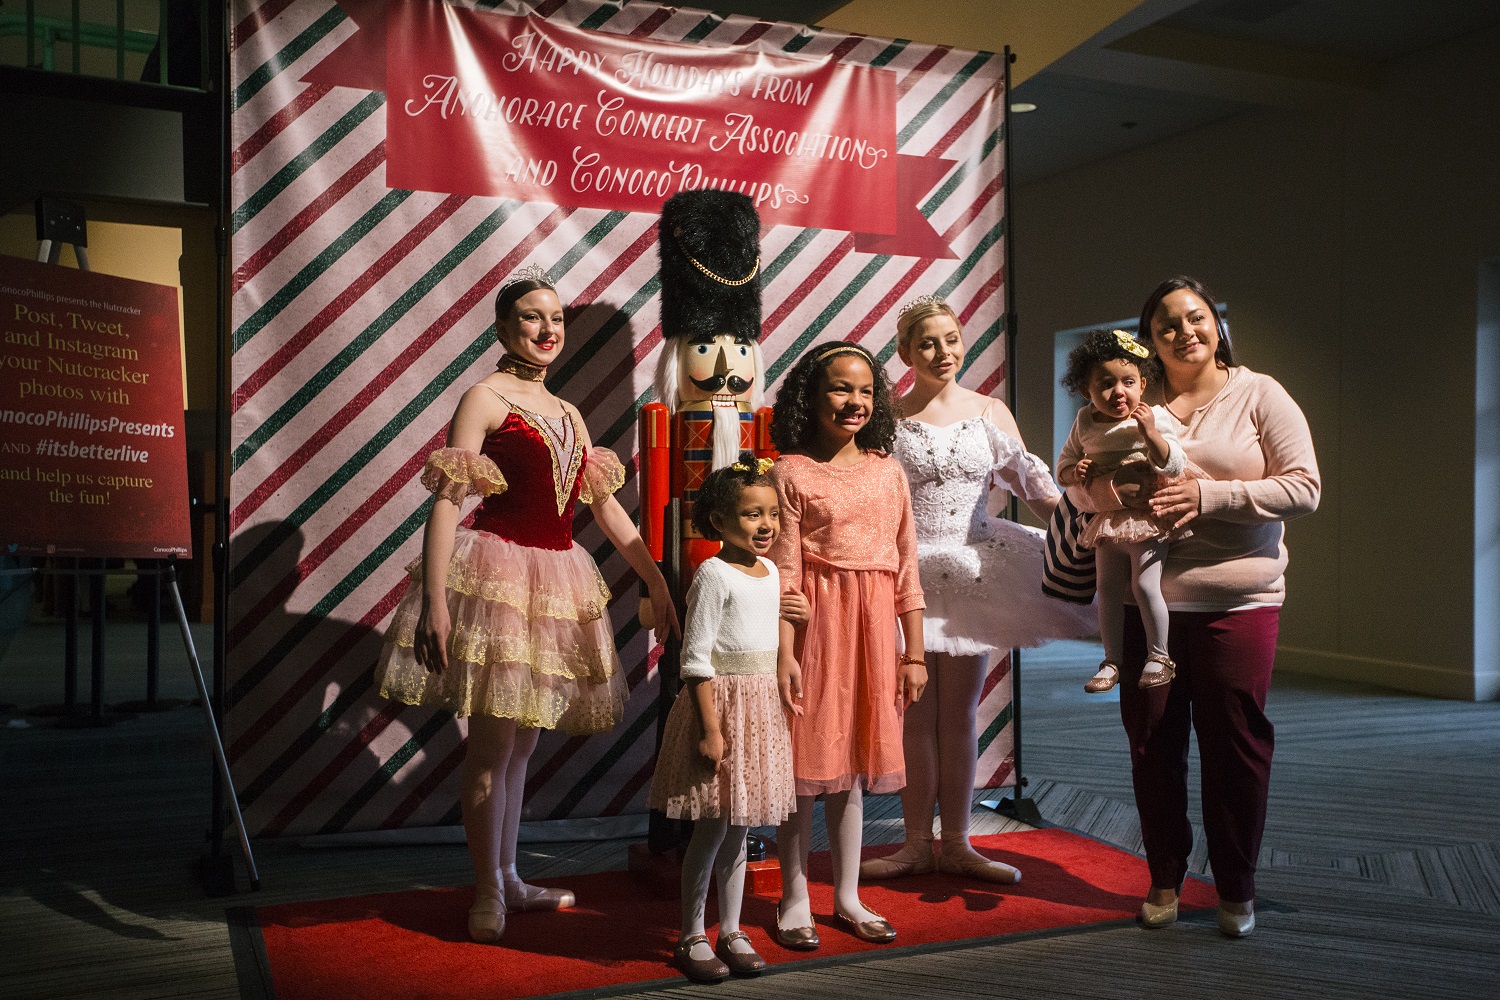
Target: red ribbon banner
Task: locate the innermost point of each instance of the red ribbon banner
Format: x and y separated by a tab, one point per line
527	108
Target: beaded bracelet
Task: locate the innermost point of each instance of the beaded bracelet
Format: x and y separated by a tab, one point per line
914	659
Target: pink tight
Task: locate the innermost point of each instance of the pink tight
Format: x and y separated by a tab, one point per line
942	745
494	781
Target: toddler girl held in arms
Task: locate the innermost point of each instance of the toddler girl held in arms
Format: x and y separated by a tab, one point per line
1114	429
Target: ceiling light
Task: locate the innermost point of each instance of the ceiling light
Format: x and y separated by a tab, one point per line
1021	107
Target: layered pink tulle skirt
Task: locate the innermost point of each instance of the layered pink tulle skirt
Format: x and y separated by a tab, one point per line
531	639
754	786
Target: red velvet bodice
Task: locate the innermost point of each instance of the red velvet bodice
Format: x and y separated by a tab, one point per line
527	512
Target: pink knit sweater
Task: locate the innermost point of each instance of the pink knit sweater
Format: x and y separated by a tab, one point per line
1253	440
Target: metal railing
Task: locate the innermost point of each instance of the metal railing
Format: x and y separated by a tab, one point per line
45	34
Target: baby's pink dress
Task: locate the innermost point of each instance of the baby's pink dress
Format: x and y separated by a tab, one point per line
849	544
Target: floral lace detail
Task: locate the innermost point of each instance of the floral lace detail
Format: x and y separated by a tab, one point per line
603	475
457	473
951	469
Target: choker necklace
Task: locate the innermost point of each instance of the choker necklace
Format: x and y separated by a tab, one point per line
521	369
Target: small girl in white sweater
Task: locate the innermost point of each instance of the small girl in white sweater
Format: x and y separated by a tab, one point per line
725	758
1115	428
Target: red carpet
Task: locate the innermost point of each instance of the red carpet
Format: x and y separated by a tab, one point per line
415	944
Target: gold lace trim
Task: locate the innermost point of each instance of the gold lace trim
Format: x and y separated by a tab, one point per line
603	475
463	578
537	708
562	479
487	649
456	473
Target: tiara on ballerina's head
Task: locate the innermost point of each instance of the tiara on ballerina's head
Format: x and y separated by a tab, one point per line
917	303
531	272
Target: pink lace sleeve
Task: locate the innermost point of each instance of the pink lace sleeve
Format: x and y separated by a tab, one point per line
456	473
603	475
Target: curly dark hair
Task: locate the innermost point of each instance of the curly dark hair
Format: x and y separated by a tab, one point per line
794	421
719	493
1097	348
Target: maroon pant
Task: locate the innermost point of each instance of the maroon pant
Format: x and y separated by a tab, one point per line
1223	673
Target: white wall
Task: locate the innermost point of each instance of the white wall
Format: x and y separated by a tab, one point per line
1347	243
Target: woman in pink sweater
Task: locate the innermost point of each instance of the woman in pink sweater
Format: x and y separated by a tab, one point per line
1224	585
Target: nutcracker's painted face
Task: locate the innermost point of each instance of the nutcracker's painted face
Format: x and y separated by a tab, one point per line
718	367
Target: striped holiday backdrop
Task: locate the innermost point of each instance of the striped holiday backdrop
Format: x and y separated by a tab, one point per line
360	314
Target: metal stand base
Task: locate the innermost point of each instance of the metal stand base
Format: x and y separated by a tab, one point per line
1019	809
216	874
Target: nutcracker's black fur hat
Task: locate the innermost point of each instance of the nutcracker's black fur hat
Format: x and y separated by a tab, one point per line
720	293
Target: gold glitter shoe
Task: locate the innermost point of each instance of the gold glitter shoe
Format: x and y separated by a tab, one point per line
741	963
1099	685
1159	678
699	970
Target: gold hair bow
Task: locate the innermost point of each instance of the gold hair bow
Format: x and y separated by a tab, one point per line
1131	344
761	466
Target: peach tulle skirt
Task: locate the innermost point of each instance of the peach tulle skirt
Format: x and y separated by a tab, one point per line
754	785
849	732
531	639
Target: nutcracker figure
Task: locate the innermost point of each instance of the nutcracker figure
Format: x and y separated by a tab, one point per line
710	387
710	382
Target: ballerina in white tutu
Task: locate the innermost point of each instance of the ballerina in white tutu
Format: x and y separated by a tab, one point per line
981	575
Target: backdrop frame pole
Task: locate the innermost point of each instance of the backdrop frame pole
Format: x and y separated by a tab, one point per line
1018	806
217	869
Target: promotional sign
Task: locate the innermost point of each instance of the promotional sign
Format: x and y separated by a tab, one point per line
92	459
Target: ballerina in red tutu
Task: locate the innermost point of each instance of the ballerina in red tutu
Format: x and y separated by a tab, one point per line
506	624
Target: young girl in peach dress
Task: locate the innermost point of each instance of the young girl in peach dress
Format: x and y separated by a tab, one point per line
849	544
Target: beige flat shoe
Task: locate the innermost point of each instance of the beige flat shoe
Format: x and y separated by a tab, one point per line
522	897
487	917
914	858
972	864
